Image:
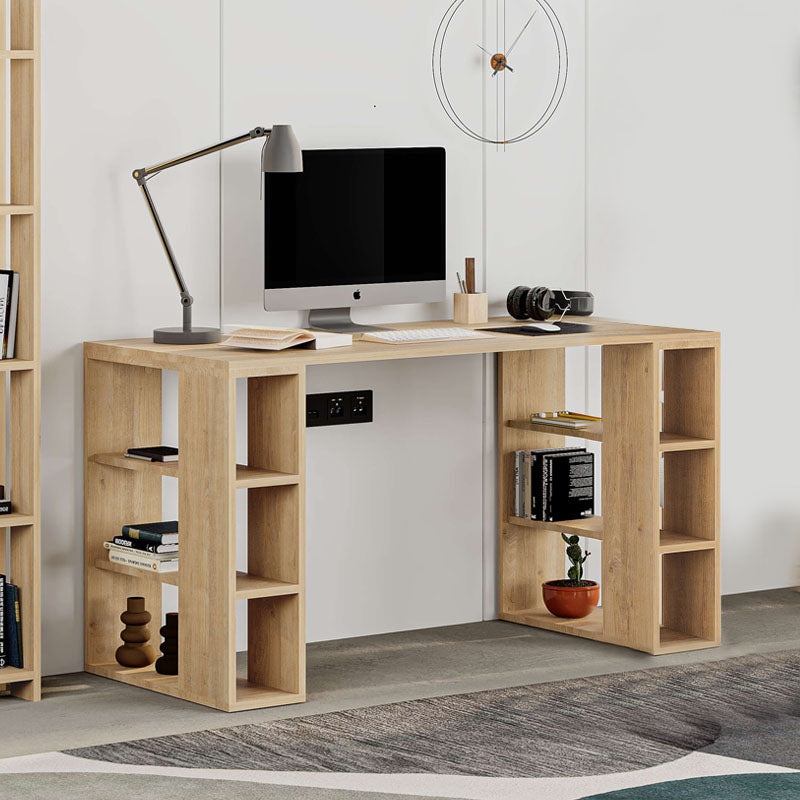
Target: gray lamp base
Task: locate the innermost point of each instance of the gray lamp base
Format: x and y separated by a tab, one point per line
193	336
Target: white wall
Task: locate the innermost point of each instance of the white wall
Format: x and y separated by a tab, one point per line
124	84
359	75
694	201
128	83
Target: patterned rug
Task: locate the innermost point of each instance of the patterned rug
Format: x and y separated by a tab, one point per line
729	729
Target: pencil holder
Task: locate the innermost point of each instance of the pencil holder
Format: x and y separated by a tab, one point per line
469	309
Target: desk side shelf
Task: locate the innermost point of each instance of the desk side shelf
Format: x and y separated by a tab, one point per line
660	567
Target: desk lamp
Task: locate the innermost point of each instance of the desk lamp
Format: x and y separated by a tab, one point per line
281	153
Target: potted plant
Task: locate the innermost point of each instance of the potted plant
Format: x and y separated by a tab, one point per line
573	597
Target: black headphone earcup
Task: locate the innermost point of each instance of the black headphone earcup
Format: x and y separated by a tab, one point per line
516	302
540	303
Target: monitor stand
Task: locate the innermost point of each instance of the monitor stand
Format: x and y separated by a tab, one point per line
337	320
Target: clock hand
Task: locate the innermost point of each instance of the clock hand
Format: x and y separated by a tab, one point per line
501	62
513	44
484	50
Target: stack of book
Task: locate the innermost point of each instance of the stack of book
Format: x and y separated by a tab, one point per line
9	305
565	419
10	625
151	546
554	484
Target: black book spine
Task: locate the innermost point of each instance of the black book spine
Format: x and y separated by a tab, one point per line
147	547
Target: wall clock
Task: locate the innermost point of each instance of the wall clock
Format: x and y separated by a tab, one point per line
500	67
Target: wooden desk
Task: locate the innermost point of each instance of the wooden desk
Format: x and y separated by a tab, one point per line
660	572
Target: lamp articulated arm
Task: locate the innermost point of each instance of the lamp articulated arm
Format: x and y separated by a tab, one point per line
142	176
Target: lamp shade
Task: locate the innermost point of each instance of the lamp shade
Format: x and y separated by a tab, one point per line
282	151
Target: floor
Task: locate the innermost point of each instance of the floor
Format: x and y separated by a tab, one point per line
80	710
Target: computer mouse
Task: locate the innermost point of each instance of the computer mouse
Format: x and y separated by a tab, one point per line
540	326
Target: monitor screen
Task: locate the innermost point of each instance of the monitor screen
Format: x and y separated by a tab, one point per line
357	217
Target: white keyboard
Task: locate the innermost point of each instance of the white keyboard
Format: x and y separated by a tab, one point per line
425	335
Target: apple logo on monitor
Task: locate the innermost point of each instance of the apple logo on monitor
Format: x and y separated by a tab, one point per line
357	294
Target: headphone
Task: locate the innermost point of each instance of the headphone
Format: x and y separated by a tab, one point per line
541	303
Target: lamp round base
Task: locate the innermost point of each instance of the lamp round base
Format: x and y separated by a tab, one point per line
180	336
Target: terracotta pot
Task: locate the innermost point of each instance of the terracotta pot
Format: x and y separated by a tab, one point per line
573	602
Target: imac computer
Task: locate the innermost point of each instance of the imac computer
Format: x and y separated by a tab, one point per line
355	228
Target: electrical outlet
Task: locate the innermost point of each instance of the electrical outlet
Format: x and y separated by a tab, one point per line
338	408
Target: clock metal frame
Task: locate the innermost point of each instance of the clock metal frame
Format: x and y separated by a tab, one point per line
558	90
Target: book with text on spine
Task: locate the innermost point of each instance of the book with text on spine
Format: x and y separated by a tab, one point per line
153	532
129	559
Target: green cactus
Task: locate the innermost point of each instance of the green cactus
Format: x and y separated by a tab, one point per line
576	556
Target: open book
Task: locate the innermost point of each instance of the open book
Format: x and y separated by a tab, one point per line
260	338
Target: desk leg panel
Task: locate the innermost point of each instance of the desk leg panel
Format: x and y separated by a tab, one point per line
527	381
207	514
631	495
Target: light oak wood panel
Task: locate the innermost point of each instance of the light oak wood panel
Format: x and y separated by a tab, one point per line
122	408
671	542
689	393
630	494
247	586
23	54
251	695
247	363
590	627
207	511
146	678
668	442
246	477
689	581
273	645
590	527
689	491
525	381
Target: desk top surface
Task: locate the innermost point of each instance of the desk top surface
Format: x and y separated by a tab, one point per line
144	352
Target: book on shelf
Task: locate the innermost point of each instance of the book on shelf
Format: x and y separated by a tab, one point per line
564	419
569	486
152	532
140	560
161	454
10	625
552	484
9	307
146	547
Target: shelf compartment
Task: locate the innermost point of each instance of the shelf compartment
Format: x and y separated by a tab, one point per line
690	379
246	477
145	678
170	578
15	209
672	542
594	432
251	587
16	364
673	442
590	627
590	527
247	586
15	675
690	598
672	641
15	520
251	695
689	492
275	653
